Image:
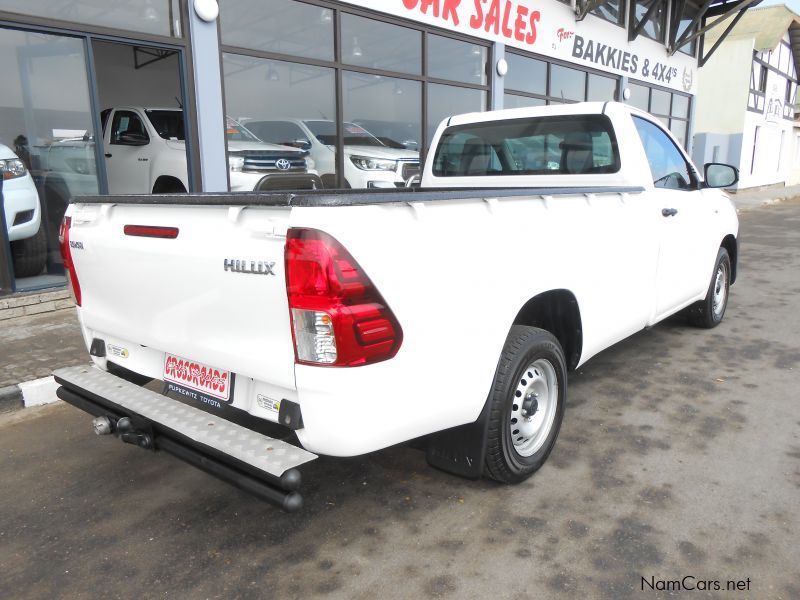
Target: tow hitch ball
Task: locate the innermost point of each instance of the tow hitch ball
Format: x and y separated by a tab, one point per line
123	428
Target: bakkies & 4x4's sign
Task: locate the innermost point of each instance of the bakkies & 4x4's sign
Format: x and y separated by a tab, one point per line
549	28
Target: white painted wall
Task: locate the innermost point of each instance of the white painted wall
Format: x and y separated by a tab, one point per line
724	83
770	161
794	169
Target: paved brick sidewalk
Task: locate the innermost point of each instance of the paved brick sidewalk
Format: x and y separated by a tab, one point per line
747	199
31	347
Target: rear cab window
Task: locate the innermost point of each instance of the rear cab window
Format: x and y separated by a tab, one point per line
573	144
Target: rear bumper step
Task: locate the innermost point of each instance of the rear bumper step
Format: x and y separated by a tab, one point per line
253	462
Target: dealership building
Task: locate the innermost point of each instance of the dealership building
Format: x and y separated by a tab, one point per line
92	90
746	108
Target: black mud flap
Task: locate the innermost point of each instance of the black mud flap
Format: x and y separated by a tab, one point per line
461	450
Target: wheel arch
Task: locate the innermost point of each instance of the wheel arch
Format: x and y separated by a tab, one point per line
731	244
556	311
165	184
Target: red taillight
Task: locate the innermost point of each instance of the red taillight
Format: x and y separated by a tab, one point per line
66	256
153	231
338	316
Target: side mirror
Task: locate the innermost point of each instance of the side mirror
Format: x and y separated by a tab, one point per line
133	139
302	143
718	175
414	181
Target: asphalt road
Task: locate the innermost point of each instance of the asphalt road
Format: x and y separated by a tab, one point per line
679	456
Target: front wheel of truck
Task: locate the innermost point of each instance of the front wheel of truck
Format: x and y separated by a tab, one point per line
708	312
526	404
29	256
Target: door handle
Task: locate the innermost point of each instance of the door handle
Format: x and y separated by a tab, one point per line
669	212
108	155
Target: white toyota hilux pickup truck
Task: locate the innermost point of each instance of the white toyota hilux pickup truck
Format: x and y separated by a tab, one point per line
281	326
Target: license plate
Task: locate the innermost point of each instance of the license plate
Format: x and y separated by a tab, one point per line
198	381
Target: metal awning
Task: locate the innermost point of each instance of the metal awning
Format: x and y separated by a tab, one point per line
717	11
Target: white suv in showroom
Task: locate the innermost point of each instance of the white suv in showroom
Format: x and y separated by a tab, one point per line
369	162
23	215
145	151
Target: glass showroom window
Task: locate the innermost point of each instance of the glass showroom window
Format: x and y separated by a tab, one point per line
290	28
446	100
601	88
47	152
689	11
534	82
640	96
567	83
671	108
611	10
456	60
390	97
382	129
526	76
372	44
654	23
285	103
156	17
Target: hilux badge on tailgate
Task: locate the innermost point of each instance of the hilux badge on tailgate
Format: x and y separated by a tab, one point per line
249	266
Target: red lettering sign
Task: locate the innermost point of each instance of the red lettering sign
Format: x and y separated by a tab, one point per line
193	374
503	18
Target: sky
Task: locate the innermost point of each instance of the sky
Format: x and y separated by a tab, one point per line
793	4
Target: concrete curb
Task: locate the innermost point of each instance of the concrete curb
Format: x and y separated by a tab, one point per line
36	392
11	399
745	205
39	391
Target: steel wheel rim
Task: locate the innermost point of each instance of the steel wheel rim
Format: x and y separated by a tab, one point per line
720	292
533	408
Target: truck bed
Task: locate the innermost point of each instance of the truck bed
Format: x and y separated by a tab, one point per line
325	198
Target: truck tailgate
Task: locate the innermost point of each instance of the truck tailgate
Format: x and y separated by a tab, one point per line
214	294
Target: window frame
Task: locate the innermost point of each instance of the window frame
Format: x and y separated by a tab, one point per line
548	97
639	26
339	67
119	114
694	183
670	116
602	121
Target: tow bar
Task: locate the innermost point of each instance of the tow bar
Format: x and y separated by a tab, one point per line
123	427
255	463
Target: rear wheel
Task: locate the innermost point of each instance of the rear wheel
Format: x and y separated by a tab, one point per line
30	255
168	185
526	405
708	312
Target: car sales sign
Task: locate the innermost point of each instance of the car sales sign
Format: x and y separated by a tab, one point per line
549	28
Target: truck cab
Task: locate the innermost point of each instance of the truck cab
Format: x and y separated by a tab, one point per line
145	151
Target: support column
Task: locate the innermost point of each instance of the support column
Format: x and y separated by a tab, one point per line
210	113
498	82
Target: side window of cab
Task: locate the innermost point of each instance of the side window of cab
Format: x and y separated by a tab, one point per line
127	129
668	166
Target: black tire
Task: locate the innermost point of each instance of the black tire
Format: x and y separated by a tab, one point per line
168	185
29	256
524	347
708	313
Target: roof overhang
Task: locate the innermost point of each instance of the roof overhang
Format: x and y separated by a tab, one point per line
718	11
